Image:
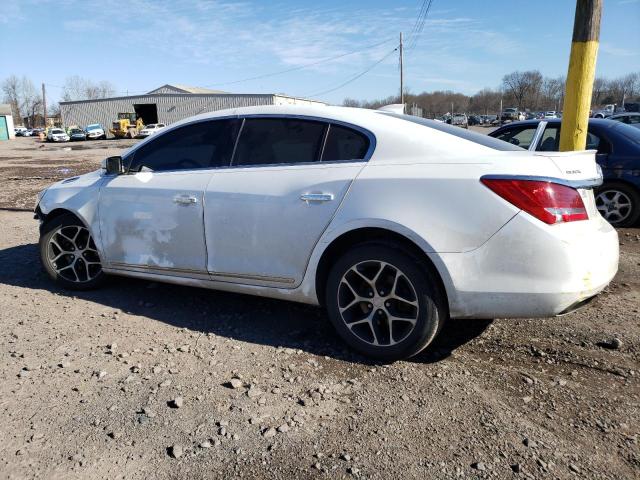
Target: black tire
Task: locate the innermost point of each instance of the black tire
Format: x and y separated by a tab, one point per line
634	198
431	310
94	276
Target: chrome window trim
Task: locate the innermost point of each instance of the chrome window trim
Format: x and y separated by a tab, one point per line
586	183
537	135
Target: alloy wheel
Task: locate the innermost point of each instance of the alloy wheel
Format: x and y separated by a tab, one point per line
378	303
72	254
614	205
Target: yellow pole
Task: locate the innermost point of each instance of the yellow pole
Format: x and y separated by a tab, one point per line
582	69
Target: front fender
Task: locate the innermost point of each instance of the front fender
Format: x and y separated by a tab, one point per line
77	195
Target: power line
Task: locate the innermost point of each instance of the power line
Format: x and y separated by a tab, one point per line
299	67
420	21
354	78
417	22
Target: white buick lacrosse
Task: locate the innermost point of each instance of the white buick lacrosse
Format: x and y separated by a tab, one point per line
393	223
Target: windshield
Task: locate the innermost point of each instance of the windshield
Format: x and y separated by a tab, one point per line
471	136
150	126
56	130
93	127
75	130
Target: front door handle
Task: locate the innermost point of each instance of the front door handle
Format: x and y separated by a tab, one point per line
185	199
316	197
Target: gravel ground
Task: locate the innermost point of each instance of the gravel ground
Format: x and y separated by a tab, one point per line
142	380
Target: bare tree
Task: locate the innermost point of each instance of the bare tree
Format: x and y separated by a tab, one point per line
600	87
11	93
23	97
552	92
524	86
485	101
78	88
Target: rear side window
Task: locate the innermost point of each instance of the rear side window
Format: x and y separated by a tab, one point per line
195	146
344	143
550	141
518	136
268	141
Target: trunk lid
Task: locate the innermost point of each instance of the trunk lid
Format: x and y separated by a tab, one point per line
579	168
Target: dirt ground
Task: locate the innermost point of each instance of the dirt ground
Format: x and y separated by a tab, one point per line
146	380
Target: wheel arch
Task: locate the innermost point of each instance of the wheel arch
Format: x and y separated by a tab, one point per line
341	243
58	212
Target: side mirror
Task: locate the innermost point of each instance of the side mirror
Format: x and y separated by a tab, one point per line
112	165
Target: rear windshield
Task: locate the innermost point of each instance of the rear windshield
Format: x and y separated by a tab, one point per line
484	140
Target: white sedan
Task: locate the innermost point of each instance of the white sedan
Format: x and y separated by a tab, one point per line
150	129
393	223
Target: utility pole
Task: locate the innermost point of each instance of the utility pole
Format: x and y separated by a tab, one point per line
401	74
44	106
582	68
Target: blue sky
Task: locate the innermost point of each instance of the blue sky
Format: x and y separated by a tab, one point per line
465	45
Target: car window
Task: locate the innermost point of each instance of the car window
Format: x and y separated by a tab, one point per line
518	136
265	141
633	119
195	146
344	143
550	140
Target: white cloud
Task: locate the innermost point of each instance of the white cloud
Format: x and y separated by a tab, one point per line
617	51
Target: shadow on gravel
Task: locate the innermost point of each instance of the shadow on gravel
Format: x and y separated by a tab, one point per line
241	317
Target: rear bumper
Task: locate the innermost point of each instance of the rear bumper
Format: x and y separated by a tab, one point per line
530	269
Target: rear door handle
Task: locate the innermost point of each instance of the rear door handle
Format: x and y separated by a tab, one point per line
185	199
316	197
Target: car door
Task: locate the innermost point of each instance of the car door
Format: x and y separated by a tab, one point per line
151	218
264	215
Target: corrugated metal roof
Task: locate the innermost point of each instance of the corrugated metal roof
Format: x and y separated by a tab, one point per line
178	88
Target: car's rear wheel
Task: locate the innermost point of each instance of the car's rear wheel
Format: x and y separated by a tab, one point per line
384	302
619	204
69	254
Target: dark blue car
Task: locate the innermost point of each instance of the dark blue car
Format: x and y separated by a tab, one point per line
618	147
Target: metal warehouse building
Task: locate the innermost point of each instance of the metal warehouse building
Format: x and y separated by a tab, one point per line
166	104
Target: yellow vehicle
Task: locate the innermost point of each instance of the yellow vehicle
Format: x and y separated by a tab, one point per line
127	126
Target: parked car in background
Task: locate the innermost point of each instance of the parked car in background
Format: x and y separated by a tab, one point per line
629	118
618	154
57	135
20	131
95	132
37	131
460	120
511	115
345	202
474	120
604	112
150	129
550	114
77	134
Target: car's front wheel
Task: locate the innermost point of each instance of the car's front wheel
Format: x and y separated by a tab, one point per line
619	204
384	302
69	254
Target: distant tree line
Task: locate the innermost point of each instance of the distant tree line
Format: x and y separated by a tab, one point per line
528	90
26	99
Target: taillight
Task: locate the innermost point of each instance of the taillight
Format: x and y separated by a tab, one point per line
547	201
